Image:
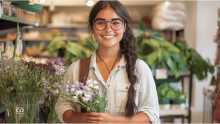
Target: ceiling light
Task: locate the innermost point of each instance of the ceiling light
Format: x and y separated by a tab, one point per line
90	3
42	1
167	3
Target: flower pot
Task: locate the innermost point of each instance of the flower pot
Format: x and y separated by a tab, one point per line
164	104
178	104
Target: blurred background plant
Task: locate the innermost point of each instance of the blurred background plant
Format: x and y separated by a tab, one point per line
71	50
157	52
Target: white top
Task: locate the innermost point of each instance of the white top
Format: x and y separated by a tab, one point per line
117	88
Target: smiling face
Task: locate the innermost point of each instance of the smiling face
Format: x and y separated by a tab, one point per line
108	37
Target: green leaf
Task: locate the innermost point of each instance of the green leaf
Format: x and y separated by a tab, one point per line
175	56
74	48
139	41
213	80
157	36
160	56
173	48
165	55
152	42
141	25
171	64
138	33
152	57
178	73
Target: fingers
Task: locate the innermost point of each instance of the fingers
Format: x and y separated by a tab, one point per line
94	118
94	114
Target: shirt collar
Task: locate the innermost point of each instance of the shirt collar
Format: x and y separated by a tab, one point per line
121	63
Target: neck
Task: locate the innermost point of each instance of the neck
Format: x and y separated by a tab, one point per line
108	54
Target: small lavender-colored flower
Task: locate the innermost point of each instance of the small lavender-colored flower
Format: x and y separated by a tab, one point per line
52	92
57	84
90	99
44	80
80	84
65	95
59	87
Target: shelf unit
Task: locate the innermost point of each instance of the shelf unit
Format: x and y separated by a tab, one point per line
173	112
186	113
11	22
7	22
72	38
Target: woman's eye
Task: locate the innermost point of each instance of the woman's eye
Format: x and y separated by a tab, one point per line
115	23
101	23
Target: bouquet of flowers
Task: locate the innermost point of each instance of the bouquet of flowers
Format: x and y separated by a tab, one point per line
86	95
22	84
49	86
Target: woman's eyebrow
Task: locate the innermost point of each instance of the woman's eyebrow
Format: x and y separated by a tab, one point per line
111	19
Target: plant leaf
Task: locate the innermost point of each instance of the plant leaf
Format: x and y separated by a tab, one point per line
152	57
141	25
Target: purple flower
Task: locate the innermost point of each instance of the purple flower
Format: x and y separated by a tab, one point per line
57	84
90	100
52	92
65	94
59	87
80	84
44	80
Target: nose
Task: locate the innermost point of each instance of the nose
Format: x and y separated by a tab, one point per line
108	26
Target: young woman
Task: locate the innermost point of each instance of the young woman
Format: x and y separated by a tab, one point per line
132	96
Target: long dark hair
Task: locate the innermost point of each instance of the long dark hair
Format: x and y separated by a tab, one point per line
127	48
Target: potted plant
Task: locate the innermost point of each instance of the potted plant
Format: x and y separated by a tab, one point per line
157	52
178	100
165	93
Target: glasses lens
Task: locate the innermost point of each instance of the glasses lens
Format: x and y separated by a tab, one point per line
100	24
116	24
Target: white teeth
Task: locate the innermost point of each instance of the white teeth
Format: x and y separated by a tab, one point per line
108	36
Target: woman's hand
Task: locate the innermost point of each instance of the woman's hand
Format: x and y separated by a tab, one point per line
94	117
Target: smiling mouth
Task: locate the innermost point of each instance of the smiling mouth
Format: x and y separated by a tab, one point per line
108	36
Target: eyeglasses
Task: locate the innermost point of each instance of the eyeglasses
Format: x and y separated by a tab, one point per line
100	24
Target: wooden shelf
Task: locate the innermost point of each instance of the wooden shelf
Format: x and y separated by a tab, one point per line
11	22
173	112
49	39
67	26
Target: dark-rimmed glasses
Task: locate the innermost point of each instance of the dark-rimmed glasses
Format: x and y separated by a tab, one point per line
116	24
